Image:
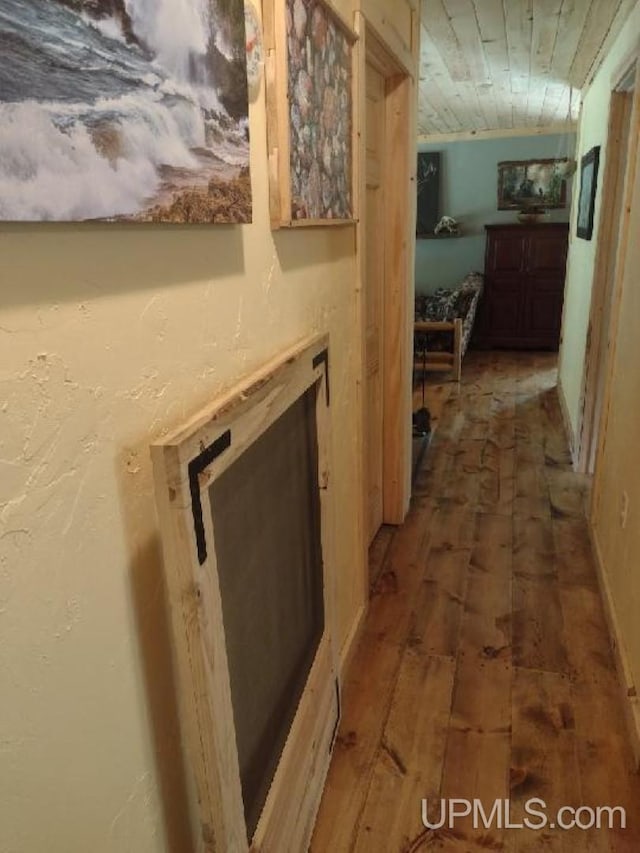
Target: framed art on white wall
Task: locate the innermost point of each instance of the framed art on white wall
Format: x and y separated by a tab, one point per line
588	188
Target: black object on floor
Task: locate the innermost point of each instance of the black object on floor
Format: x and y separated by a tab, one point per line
422	416
421	422
421	426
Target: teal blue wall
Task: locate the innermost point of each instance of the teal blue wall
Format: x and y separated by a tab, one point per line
468	192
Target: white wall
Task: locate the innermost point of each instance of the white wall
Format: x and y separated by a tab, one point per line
618	471
617	540
617	479
110	335
581	258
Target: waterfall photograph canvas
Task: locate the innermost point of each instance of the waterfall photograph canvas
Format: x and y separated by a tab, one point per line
124	110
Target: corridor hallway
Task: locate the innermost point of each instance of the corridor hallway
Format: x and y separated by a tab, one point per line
484	669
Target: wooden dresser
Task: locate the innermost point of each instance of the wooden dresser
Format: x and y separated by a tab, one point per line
521	306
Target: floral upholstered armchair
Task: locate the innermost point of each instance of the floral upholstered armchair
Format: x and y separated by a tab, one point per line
443	326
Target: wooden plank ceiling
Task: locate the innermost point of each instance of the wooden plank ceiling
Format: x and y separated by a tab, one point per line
489	65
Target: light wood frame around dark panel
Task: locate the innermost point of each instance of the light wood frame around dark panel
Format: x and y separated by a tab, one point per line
185	464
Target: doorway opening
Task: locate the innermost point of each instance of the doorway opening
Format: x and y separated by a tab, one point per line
385	224
387	165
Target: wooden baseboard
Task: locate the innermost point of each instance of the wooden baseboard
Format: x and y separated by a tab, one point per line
631	702
353	639
571	436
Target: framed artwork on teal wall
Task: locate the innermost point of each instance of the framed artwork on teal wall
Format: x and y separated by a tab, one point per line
428	192
524	184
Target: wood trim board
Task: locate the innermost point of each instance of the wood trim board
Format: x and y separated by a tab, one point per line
631	702
397	229
217	436
564	410
360	158
382	27
501	133
400	213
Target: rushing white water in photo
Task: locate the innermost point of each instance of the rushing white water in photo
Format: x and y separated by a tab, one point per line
95	123
177	31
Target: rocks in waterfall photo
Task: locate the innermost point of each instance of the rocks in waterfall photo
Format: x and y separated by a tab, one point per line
124	110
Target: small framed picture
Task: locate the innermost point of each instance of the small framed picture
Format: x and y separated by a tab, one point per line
428	183
523	184
588	186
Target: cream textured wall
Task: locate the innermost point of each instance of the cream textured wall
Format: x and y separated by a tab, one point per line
581	258
109	335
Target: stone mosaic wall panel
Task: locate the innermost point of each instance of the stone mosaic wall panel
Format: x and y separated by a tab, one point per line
320	112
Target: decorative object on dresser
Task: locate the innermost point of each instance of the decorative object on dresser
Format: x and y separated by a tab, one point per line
531	215
588	186
524	286
443	326
447	227
428	193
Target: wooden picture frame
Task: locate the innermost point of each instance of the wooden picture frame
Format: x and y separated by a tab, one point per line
589	166
428	178
188	465
310	119
524	184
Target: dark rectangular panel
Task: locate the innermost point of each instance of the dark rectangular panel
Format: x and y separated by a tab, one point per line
266	520
548	252
544	313
503	314
501	283
507	252
428	190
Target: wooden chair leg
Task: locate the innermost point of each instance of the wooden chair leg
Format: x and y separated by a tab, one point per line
457	349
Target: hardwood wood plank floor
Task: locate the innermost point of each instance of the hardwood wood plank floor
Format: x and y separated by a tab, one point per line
484	670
